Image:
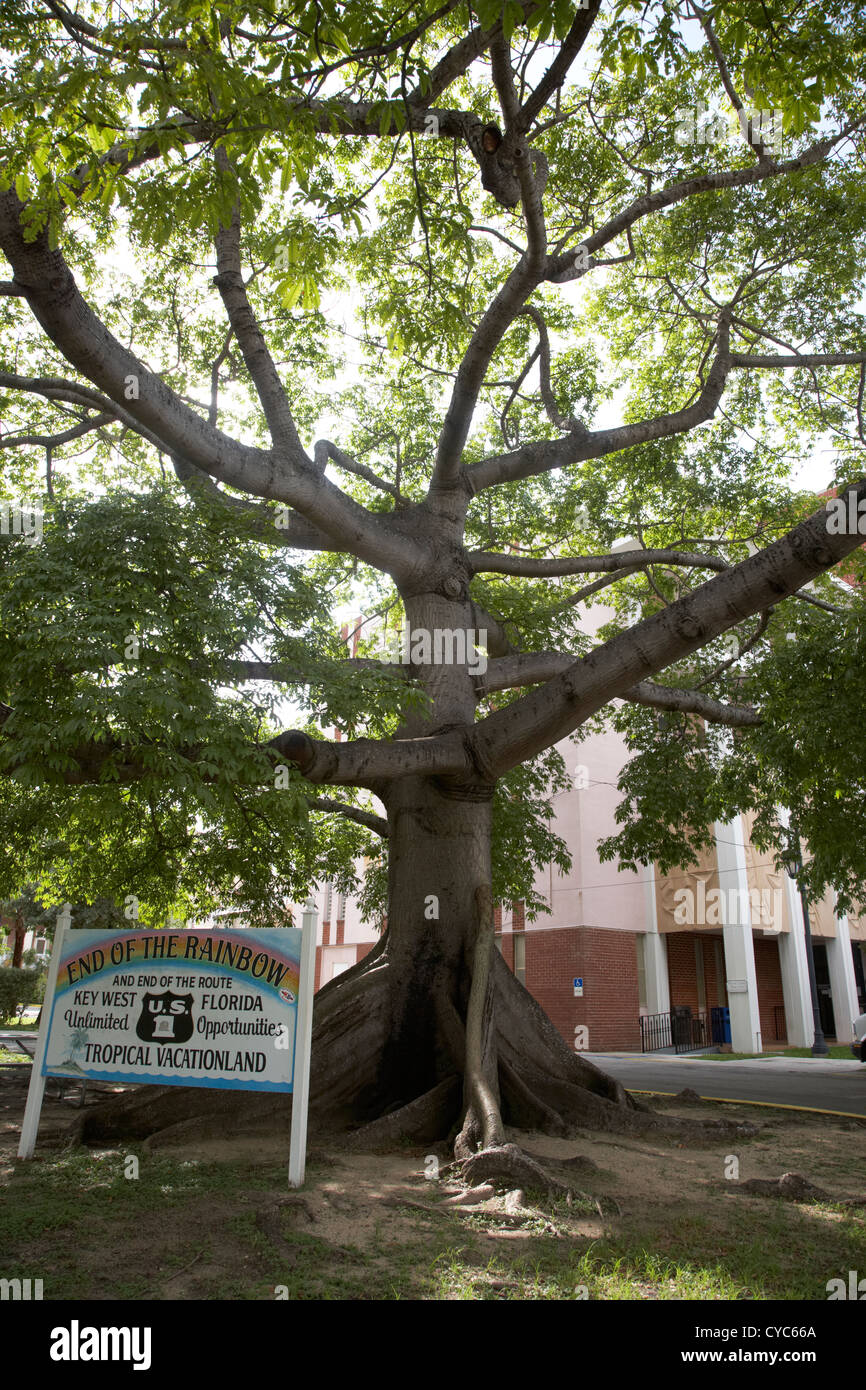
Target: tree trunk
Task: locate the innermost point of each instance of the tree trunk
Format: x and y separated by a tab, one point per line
391	1049
19	933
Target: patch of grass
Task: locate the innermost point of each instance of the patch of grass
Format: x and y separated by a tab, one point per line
838	1051
205	1230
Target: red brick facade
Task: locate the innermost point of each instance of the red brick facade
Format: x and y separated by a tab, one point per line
607	961
768	973
683	971
683	977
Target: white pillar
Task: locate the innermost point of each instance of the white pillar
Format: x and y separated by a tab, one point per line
742	981
796	985
301	1056
655	955
842	982
799	1022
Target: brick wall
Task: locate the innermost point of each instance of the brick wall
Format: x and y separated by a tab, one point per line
768	973
684	984
317	978
681	969
607	960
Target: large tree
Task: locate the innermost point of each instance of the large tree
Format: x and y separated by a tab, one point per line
548	280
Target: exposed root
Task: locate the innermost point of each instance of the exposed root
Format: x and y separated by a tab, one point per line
793	1187
423	1120
511	1167
525	1109
471	1196
143	1112
483	1119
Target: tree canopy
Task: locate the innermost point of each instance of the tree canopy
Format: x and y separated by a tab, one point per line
315	309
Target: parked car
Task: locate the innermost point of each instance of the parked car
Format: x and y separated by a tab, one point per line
858	1046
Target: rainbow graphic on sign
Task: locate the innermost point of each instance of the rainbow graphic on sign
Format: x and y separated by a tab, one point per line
190	1007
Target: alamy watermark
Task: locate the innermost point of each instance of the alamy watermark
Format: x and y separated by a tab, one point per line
846	516
77	1343
438	646
20	1290
697	125
21	519
855	1289
728	906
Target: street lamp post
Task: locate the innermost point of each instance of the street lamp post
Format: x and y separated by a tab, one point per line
793	863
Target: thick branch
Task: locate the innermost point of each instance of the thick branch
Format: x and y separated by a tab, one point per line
275	527
73	393
369	762
797	359
546	715
544	455
85	342
284	673
229	281
497	319
553	79
534	668
51	441
692	702
484	561
570	265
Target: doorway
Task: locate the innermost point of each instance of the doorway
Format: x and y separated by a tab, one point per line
825	993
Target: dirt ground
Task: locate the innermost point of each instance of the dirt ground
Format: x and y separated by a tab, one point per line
649	1216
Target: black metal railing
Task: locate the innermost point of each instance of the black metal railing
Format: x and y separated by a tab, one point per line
780	1029
655	1032
680	1029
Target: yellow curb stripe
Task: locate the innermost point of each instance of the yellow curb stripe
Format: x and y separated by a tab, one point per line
768	1104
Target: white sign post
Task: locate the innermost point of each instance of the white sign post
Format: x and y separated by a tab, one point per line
221	1008
30	1123
303	1035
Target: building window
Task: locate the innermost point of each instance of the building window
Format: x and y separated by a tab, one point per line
520	957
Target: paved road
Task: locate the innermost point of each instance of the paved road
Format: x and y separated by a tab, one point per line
817	1085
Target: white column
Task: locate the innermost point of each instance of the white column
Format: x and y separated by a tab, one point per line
36	1089
301	1056
742	982
842	982
799	1022
655	955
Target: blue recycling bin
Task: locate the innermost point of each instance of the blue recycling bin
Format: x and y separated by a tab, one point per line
720	1025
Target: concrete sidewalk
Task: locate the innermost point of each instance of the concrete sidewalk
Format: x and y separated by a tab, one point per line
834	1086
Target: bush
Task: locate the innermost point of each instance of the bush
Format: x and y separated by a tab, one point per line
19	987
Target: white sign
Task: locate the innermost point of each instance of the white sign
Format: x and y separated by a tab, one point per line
181	1008
230	1009
578	986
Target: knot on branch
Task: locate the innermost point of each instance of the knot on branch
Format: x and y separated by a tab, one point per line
296	747
498	172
